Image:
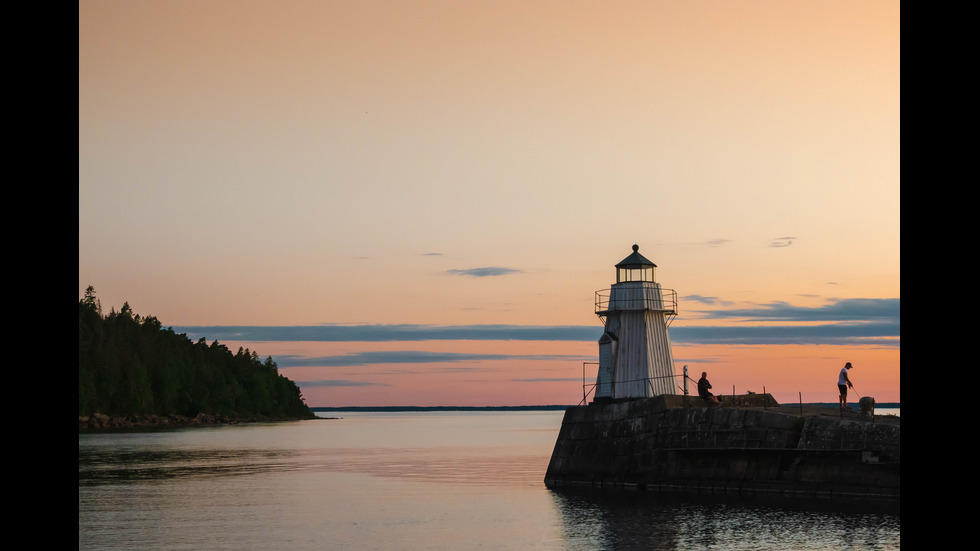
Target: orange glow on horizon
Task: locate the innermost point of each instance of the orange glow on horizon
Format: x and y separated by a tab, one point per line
785	371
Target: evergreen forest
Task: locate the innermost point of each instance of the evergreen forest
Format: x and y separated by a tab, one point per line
131	366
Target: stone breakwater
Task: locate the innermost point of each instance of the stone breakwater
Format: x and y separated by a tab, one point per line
750	447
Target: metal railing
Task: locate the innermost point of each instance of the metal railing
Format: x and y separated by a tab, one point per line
589	388
666	303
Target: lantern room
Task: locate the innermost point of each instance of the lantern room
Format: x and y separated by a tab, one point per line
635	268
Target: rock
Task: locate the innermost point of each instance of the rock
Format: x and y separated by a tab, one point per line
867	404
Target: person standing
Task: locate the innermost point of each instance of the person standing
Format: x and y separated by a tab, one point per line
843	383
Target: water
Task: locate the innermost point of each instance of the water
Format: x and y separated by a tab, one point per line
405	481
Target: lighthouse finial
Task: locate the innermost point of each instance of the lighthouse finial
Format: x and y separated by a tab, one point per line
635	247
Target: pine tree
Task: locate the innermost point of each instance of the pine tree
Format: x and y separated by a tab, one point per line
130	365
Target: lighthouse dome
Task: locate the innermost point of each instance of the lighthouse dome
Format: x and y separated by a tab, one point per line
635	267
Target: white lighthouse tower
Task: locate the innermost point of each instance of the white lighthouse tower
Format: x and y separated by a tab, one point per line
635	360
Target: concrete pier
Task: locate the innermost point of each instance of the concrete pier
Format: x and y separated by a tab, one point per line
751	446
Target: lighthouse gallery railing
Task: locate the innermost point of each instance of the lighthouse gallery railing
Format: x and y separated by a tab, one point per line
644	300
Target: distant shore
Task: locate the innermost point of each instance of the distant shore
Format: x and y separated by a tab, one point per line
537	408
100	422
441	408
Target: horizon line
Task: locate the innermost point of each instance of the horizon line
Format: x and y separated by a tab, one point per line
540	407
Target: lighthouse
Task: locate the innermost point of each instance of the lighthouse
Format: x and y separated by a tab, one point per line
635	360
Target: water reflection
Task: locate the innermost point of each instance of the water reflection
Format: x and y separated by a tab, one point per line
632	520
107	465
432	482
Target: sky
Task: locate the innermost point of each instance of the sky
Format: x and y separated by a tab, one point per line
413	202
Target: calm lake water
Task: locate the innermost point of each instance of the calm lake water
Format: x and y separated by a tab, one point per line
405	481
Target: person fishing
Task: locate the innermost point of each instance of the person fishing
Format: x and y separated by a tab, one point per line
843	383
703	386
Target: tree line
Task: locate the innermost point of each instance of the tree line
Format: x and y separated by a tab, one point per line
132	366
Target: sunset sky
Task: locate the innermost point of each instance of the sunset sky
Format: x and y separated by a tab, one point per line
410	202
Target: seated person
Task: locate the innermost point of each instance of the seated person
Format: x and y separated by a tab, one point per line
703	386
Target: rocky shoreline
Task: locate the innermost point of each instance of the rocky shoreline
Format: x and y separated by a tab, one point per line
102	422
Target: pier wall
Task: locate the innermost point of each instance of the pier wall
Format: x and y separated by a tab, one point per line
757	448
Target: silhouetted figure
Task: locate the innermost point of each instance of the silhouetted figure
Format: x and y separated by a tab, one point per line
703	386
843	383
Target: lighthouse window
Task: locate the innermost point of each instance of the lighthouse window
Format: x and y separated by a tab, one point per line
638	273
